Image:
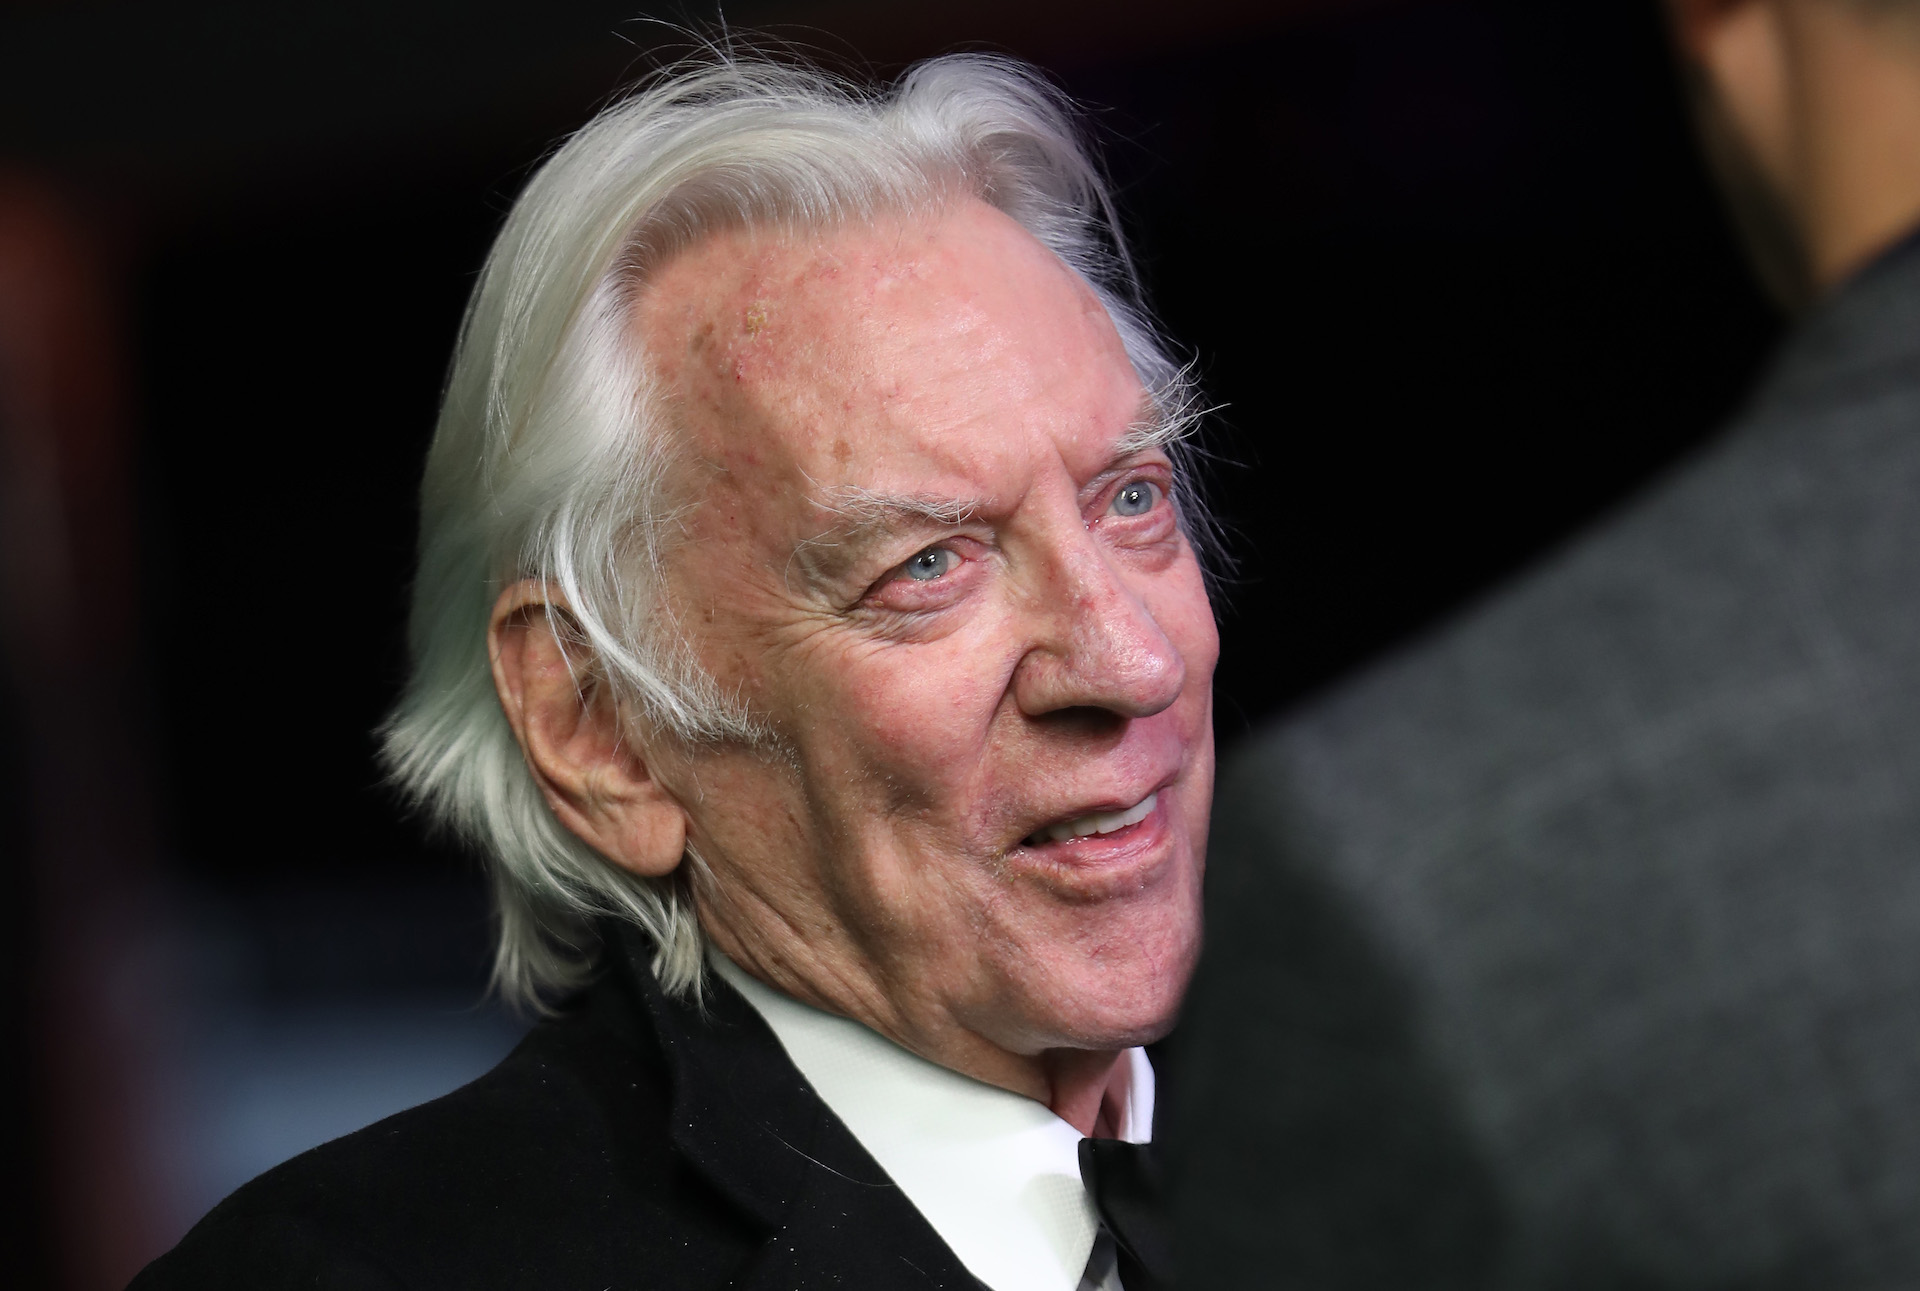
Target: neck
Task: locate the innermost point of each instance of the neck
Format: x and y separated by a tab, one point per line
1086	1088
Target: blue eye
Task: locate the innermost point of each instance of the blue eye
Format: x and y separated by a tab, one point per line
1136	499
930	564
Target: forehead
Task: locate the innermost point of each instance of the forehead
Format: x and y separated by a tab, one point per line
911	353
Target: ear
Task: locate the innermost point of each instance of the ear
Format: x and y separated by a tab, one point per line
1700	25
1743	54
593	777
1741	48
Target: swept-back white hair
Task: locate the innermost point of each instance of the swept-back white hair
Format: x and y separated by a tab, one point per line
551	448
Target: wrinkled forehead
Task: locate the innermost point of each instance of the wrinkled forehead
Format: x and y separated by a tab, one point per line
908	346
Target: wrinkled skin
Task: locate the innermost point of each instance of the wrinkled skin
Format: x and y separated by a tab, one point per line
915	545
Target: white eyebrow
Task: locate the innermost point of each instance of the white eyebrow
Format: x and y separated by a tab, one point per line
1161	422
861	508
862	515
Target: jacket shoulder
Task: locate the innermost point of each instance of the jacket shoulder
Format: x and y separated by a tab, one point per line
553	1169
1573	887
238	1250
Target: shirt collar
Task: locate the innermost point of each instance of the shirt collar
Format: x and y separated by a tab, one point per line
996	1174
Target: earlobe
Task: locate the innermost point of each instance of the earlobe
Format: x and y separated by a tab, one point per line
593	776
1697	23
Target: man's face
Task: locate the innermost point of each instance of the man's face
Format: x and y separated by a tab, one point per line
918	543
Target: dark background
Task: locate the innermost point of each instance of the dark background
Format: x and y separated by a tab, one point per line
1452	268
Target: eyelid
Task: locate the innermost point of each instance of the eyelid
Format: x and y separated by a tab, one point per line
896	573
905	568
1158	473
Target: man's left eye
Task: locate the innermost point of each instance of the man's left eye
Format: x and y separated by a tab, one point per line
1136	499
930	564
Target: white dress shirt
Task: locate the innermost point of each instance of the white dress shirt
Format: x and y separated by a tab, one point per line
996	1174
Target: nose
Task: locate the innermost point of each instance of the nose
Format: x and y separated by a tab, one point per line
1098	646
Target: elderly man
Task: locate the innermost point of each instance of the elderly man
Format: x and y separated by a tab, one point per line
810	629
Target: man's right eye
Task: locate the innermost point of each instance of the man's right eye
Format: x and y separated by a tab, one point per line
930	564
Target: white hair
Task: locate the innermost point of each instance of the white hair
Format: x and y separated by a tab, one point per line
551	450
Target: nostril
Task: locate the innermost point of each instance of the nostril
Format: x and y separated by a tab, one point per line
1084	719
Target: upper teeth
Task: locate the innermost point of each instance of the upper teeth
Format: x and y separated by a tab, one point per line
1097	822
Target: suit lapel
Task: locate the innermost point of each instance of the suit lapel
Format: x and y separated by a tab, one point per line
745	1117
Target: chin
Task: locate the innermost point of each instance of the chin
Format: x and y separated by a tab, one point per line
1098	1004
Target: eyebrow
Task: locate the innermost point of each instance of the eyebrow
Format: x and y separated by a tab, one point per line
864	516
1159	424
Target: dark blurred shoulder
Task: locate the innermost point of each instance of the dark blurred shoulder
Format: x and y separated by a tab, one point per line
1582	937
553	1169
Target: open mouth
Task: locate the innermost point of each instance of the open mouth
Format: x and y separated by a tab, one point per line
1096	822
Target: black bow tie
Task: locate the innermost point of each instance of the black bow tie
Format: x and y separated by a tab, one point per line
1124	1181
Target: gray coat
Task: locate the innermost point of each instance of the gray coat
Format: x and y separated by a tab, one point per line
1580	945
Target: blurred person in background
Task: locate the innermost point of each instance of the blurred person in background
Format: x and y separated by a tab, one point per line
808	626
1580	945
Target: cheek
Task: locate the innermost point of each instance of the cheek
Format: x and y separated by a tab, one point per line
917	718
1186	616
1180	606
926	707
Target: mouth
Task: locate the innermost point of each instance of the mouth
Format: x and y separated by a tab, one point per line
1093	823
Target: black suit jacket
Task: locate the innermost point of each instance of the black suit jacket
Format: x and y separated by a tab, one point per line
1579	946
634	1141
